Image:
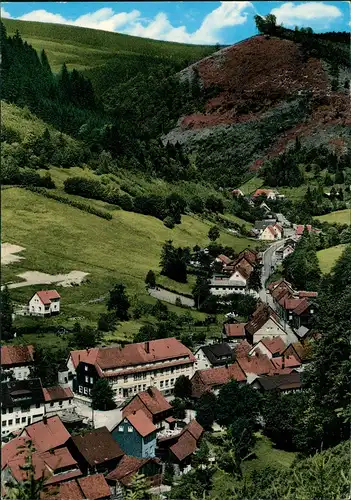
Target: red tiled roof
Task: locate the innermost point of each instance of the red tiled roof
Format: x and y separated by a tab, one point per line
262	192
271	230
97	446
289	304
46	296
278	227
151	401
46	436
259	364
133	354
300	229
57	393
141	423
224	259
274	345
234	329
67	491
289	362
301	307
127	467
16	355
304	294
244	267
94	487
170	420
242	349
195	429
58	458
259	318
186	443
249	255
11	449
221	375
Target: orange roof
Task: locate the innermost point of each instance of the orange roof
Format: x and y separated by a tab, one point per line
303	294
46	436
46	296
271	230
259	364
69	490
11	449
57	393
235	329
187	441
289	362
262	192
224	259
94	487
242	349
141	423
195	429
16	355
222	375
301	307
133	354
274	345
151	401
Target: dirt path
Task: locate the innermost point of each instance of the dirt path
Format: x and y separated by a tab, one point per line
8	252
161	294
38	278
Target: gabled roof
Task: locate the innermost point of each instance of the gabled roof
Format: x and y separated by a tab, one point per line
302	307
250	255
57	393
286	362
259	364
133	354
127	467
302	353
260	317
242	349
304	294
46	296
272	230
223	258
262	192
281	382
97	446
218	354
12	449
94	487
141	423
274	345
234	329
16	355
213	377
152	401
187	441
47	434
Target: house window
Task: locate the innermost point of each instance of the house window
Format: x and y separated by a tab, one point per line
51	404
70	401
80	389
120	391
10	410
144	387
37	405
86	368
120	428
144	376
89	392
91	380
18	420
161	383
87	380
85	390
23	420
172	381
130	429
60	403
3	411
10	422
125	378
139	388
167	381
39	308
4	423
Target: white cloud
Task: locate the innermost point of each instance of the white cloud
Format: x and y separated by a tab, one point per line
227	15
4	13
311	13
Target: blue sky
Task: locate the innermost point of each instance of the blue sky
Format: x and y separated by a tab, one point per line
188	22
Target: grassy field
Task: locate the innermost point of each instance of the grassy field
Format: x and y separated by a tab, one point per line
340	216
328	257
267	455
84	48
251	185
59	238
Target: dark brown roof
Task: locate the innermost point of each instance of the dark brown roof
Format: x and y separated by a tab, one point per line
57	393
94	487
221	375
97	446
127	467
281	382
259	318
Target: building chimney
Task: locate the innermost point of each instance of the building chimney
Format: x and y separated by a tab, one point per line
45	419
147	347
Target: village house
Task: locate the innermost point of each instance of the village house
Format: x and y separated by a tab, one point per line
16	361
237	193
272	347
261	225
264	323
212	379
57	400
44	303
48	434
95	451
299	229
180	448
129	466
222	285
94	487
272	233
133	368
136	435
285	383
234	332
267	193
154	405
209	356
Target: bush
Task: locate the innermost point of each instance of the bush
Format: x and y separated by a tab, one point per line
169	222
88	188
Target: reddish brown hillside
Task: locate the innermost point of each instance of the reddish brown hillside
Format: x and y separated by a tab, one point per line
253	76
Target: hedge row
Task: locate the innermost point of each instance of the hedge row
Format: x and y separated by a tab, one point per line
77	204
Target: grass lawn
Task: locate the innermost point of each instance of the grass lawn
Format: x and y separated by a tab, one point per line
59	238
328	257
340	216
251	185
267	455
237	220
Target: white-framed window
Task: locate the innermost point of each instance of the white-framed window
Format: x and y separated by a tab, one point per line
80	389
10	422
161	383
23	420
60	403
121	428
85	390
4	423
167	381
87	380
86	368
130	428
91	380
144	387
120	390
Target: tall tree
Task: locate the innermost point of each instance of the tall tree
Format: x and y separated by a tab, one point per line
213	233
118	302
182	387
102	395
6	311
206	410
150	279
254	281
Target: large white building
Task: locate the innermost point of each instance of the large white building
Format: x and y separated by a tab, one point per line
44	303
222	285
16	361
133	368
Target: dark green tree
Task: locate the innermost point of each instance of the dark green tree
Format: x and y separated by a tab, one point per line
235	402
206	408
214	233
254	281
84	338
178	408
47	362
182	387
118	302
102	395
146	333
174	262
6	311
150	279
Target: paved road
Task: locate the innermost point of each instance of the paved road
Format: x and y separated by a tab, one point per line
161	294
